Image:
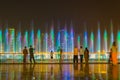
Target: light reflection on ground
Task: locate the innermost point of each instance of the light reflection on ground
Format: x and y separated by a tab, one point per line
59	72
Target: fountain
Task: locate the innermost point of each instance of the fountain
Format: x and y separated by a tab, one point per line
13	41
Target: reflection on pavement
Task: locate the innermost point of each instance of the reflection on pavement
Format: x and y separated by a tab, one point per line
59	71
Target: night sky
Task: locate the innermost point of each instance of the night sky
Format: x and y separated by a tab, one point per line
81	12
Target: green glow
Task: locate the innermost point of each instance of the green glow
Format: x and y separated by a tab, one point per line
52	39
98	39
105	40
78	42
92	42
0	40
112	35
26	39
12	40
118	40
38	41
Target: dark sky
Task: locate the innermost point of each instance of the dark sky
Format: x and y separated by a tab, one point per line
81	12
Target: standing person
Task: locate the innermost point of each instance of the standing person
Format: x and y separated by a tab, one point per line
75	58
110	56
114	53
81	54
31	50
86	55
25	53
61	54
51	54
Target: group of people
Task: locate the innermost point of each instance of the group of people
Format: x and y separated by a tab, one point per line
25	53
81	53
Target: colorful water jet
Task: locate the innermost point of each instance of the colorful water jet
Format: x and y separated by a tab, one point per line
91	42
13	41
105	40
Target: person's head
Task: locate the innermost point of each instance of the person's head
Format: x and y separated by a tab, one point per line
25	47
114	43
51	51
86	48
80	46
75	46
30	46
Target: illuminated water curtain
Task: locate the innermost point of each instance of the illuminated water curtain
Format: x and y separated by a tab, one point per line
13	41
118	40
105	40
98	39
91	42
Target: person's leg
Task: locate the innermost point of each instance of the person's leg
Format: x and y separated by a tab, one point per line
74	58
23	59
77	58
30	59
81	58
33	59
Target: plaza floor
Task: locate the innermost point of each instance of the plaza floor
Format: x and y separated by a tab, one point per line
58	71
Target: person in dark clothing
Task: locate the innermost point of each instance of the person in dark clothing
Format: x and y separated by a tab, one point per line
86	55
61	51
25	53
31	50
51	54
110	56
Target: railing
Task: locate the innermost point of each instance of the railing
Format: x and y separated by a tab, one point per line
18	57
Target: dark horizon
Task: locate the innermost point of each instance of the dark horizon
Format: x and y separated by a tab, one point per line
81	13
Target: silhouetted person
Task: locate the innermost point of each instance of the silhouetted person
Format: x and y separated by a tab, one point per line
114	54
110	56
61	51
25	53
81	54
86	55
51	54
31	50
75	58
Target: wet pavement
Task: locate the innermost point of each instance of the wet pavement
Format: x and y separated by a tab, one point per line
59	72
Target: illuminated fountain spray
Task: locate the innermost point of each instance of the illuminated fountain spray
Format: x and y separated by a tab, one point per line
98	39
18	41
85	43
51	47
78	42
1	41
6	43
58	41
111	35
65	38
85	39
31	40
92	42
45	42
118	40
105	41
12	40
38	42
72	38
25	43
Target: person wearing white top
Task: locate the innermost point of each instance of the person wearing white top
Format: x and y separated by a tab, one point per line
81	54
